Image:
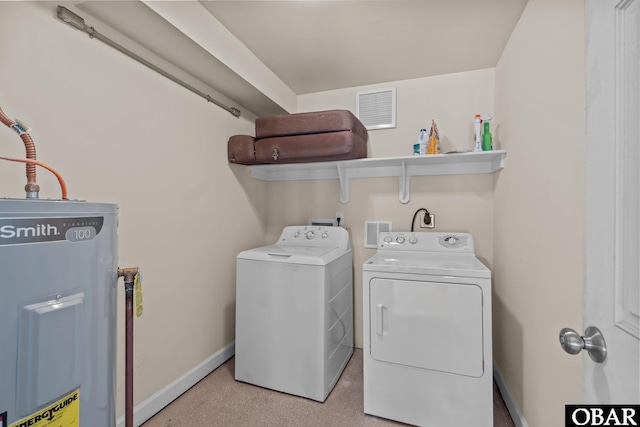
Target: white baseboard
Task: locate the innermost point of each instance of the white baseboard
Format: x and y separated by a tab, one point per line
151	406
512	406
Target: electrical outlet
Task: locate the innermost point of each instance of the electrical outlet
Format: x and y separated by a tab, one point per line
340	219
432	223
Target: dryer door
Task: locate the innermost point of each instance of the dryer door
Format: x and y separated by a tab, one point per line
427	325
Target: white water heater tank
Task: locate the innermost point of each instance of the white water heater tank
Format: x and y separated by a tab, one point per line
58	298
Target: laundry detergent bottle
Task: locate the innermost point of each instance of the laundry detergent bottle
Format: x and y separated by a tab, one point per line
420	147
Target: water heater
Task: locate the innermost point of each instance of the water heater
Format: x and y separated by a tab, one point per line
58	297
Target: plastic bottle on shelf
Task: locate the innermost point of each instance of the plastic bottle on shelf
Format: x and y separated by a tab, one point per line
420	147
478	137
433	146
487	144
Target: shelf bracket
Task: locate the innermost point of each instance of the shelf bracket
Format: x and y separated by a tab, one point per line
404	181
344	183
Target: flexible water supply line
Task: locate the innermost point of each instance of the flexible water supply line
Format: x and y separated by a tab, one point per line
31	188
63	185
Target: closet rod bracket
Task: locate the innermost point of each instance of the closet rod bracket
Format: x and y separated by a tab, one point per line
344	183
405	184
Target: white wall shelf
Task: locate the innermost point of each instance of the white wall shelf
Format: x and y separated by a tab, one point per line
402	167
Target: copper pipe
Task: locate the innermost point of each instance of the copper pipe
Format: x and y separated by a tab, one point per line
129	356
129	275
30	150
5	119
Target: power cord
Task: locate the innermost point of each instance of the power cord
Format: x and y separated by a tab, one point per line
427	217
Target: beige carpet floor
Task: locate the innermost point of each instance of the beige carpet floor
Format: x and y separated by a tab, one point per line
219	400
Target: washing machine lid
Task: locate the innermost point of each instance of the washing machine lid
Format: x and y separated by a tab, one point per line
308	255
433	263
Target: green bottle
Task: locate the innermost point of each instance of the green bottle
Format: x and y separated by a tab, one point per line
486	138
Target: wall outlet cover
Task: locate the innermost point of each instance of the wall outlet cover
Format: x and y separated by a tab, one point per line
432	223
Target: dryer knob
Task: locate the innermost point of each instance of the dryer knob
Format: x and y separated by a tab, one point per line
296	234
325	235
400	239
310	235
388	239
413	240
452	241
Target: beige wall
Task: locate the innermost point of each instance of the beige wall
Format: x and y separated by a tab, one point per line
452	100
121	133
461	203
538	244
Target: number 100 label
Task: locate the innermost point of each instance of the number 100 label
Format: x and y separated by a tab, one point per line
80	234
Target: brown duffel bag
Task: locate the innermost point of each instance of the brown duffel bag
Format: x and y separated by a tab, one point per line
299	138
317	147
309	123
241	149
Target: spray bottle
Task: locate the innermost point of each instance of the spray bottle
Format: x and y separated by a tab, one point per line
478	137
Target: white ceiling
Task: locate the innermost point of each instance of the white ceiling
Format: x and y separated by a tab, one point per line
315	46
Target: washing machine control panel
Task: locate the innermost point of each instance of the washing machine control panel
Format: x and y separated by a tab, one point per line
310	234
314	235
426	241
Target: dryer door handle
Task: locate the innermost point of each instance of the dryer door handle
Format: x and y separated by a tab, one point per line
379	314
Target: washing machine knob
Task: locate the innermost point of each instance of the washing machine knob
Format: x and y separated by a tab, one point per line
452	241
388	239
310	235
296	234
400	239
413	240
325	235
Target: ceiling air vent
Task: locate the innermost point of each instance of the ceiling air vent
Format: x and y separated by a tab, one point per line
376	109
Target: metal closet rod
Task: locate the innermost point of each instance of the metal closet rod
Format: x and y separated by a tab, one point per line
77	22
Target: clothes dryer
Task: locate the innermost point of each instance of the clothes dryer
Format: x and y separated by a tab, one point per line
294	312
427	331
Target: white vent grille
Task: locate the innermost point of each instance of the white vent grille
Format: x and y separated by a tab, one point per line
371	231
376	109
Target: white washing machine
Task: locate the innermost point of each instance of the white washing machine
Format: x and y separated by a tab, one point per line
427	331
294	312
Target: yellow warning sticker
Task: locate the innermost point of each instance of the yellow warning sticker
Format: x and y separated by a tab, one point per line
137	288
63	413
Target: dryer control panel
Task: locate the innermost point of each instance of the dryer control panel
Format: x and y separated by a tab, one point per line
426	242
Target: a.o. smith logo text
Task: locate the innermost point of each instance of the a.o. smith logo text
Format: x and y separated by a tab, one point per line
602	415
17	231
